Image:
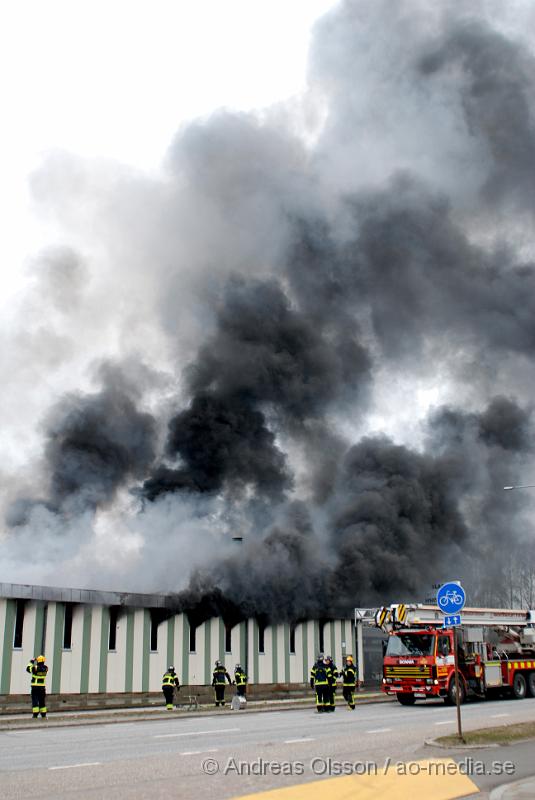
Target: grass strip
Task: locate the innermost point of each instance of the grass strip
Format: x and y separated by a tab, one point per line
503	734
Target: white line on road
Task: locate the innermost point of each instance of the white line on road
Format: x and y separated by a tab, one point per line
196	752
71	766
495	716
380	730
294	741
446	722
194	733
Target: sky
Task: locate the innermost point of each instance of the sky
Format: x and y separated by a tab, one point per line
268	269
116	80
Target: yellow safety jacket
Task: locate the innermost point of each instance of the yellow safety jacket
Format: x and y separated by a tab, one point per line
38	673
240	678
320	674
169	679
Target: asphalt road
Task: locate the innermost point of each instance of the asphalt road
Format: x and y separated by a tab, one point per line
172	758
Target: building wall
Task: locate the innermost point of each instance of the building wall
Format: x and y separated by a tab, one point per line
88	666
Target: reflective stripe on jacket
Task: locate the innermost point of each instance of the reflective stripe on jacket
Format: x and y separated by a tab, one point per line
38	673
169	679
240	678
321	674
350	676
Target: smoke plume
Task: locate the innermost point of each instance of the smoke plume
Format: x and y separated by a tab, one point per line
318	328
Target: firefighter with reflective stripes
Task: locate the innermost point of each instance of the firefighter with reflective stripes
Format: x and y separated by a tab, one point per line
38	671
220	675
320	680
332	683
240	679
170	682
349	675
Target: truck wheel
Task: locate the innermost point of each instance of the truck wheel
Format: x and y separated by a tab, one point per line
451	698
519	686
406	699
531	683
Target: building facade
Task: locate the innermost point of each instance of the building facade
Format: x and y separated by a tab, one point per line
108	642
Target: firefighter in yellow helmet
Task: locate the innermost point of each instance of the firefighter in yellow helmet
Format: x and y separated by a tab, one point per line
220	675
349	675
38	671
170	683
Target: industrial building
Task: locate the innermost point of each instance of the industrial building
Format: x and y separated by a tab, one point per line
111	642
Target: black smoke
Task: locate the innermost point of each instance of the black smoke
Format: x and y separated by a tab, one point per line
313	294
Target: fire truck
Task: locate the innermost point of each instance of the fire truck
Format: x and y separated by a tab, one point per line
495	653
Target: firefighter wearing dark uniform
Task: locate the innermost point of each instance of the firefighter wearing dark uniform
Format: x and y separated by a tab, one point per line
320	678
240	679
169	683
349	675
220	675
38	671
332	684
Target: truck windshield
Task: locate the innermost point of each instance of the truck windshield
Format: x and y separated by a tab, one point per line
410	644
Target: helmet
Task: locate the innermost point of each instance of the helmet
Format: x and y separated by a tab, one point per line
349	658
238	666
40	659
320	656
218	663
170	669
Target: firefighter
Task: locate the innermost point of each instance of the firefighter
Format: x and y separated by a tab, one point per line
240	679
332	683
170	682
38	671
320	678
349	675
220	675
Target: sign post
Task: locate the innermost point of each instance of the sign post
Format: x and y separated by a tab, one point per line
450	600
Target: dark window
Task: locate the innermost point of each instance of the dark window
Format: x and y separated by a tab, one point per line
443	646
292	639
112	637
43	631
192	637
228	639
261	637
322	637
19	624
153	633
67	627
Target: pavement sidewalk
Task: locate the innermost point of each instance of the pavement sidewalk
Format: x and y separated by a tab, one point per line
58	718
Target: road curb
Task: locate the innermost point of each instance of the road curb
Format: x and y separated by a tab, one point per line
460	746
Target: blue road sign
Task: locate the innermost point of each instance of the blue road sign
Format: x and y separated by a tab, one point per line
451	620
451	598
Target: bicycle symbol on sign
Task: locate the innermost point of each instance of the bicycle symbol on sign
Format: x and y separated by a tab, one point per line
451	597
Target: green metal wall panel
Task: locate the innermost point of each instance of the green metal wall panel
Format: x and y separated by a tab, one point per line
7	649
286	678
129	656
103	655
171	643
145	659
41	614
57	648
275	653
333	642
185	649
86	650
207	651
306	666
255	677
221	654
